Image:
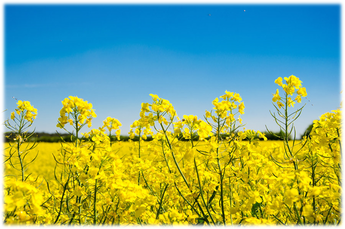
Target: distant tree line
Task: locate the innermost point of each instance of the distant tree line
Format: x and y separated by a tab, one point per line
56	137
41	137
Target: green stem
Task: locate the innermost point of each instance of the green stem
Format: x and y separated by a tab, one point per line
230	200
139	154
221	189
20	158
173	155
191	205
313	178
161	201
201	192
220	173
286	125
76	128
61	201
298	216
94	204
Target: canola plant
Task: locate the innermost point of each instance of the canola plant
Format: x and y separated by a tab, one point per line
224	178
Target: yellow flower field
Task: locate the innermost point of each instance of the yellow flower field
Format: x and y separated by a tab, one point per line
227	177
43	165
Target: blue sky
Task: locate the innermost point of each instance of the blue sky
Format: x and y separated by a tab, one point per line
114	56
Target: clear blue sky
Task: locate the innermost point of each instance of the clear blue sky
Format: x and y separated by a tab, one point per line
114	56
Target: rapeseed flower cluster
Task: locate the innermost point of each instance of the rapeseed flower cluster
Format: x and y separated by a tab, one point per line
193	124
225	177
26	110
82	112
112	124
293	84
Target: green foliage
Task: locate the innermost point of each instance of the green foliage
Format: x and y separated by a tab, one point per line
55	137
307	131
276	135
41	137
124	138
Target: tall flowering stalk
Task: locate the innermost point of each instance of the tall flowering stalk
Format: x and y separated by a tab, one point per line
112	124
77	113
293	92
141	128
21	120
22	199
224	124
323	156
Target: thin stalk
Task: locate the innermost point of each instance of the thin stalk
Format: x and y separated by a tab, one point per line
20	159
286	125
161	201
220	174
191	205
61	201
230	200
313	178
172	153
76	128
139	154
201	192
221	189
298	216
94	204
